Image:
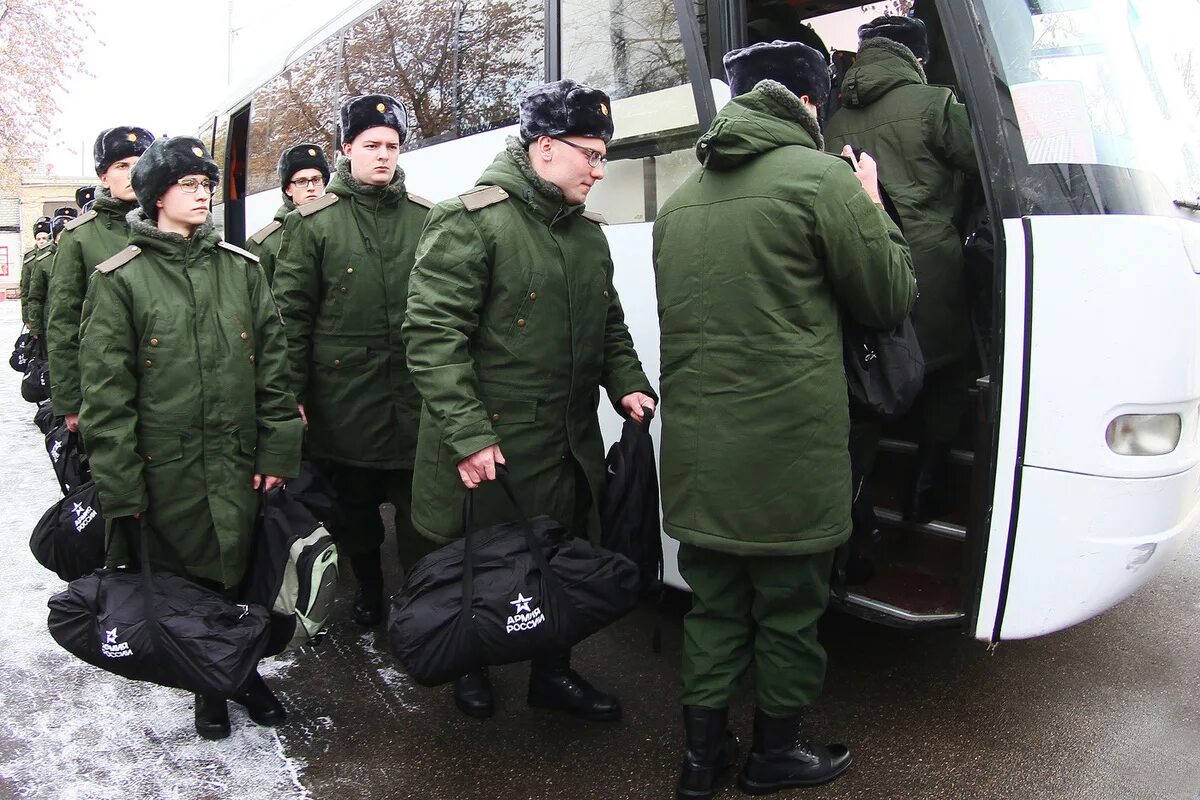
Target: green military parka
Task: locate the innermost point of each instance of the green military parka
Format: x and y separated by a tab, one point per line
756	256
265	242
513	325
86	242
341	281
185	394
921	139
37	291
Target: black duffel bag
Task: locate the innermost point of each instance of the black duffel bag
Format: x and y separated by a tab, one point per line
20	354
160	627
70	465
505	594
885	370
69	538
44	417
35	386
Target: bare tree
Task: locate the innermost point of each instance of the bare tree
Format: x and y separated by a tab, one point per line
41	43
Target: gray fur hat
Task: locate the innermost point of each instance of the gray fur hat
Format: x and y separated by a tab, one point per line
372	111
800	68
565	108
114	144
166	161
908	31
302	156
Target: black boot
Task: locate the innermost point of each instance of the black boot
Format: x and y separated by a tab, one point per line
782	759
553	684
711	749
212	717
368	598
261	702
473	694
929	499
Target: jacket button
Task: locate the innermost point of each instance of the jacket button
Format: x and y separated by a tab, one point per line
251	358
154	342
520	323
149	459
606	292
495	417
533	296
337	362
343	289
349	270
245	336
149	363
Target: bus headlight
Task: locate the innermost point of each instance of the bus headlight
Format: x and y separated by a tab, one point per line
1144	434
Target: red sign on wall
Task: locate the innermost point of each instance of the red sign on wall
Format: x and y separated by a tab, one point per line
4	270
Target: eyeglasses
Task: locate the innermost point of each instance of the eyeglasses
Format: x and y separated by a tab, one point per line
594	159
304	183
191	185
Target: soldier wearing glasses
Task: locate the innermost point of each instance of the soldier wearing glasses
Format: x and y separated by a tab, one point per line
95	236
303	173
513	327
186	400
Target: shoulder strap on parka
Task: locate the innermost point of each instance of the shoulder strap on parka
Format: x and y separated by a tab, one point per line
261	235
233	248
482	197
324	201
82	219
119	260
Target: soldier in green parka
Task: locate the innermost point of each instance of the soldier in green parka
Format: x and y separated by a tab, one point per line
757	255
342	282
88	240
303	173
42	240
921	139
37	302
513	327
187	408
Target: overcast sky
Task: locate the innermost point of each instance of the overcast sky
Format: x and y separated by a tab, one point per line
163	65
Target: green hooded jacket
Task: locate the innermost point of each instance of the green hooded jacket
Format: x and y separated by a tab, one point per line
86	242
38	289
26	273
921	139
513	326
265	243
185	395
756	256
341	281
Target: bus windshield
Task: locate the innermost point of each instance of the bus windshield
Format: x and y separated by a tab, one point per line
1105	96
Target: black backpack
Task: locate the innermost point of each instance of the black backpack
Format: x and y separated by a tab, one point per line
70	465
293	571
69	538
505	594
629	518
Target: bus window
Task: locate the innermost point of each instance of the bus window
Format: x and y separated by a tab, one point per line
457	66
219	149
301	105
622	46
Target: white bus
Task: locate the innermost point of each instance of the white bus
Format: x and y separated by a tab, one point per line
1079	475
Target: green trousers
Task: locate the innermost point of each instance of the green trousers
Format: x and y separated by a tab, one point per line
760	609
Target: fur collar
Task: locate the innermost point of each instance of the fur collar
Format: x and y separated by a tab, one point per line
394	192
520	156
896	49
107	203
789	107
141	225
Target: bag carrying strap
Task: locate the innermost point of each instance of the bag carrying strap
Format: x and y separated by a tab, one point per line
535	549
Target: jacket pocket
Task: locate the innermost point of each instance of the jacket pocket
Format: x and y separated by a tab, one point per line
508	411
160	449
333	355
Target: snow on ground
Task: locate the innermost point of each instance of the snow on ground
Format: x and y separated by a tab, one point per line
69	731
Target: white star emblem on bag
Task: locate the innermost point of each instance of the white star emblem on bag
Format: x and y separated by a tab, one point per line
522	603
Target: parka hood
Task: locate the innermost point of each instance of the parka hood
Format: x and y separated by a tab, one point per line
882	65
146	234
765	118
512	172
346	185
105	203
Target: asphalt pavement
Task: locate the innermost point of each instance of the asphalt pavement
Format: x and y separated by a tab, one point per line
1109	709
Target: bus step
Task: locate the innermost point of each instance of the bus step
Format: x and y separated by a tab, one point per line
946	530
902	447
881	611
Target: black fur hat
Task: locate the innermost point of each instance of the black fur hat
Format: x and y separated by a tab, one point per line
302	156
70	212
117	143
908	31
803	70
43	225
372	111
57	224
84	195
166	161
565	108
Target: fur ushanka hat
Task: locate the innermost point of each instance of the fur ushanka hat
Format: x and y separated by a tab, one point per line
84	195
117	143
302	156
803	70
908	31
70	212
43	225
372	111
166	161
57	224
565	108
